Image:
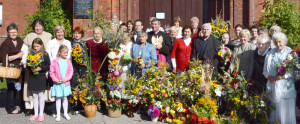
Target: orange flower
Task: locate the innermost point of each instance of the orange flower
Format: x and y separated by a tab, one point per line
99	77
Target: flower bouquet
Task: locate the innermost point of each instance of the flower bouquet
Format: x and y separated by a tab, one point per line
287	64
34	60
224	54
219	26
206	110
153	112
139	61
77	54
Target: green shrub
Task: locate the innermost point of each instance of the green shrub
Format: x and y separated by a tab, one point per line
285	14
52	14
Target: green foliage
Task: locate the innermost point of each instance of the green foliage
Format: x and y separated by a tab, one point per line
286	15
52	13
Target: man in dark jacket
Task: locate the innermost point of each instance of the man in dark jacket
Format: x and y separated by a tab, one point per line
206	47
138	27
160	40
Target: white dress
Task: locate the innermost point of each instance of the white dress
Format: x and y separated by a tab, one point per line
282	94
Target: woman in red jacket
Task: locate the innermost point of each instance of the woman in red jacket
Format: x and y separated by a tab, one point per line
181	51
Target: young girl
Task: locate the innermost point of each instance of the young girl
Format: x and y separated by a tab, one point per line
37	82
61	71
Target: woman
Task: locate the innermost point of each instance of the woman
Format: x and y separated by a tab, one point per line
225	41
254	33
173	34
181	51
38	28
144	50
177	23
11	46
280	88
130	26
195	28
222	65
54	44
259	80
244	53
238	28
97	50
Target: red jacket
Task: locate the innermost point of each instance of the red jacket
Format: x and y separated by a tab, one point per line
182	54
97	53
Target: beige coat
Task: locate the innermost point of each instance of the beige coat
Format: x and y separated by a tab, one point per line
246	56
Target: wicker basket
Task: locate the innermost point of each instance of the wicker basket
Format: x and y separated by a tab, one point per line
9	72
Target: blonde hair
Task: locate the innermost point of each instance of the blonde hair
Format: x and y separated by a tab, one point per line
195	19
98	28
246	32
173	28
58	27
62	47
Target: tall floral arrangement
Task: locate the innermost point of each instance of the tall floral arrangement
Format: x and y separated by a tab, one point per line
219	26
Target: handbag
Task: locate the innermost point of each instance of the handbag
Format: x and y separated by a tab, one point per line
3	84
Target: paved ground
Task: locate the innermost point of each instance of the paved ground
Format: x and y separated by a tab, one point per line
100	118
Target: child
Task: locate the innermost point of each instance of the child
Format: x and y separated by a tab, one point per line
37	82
61	71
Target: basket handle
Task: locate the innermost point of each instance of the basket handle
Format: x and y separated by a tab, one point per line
6	60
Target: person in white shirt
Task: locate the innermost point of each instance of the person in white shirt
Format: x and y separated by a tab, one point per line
177	23
54	44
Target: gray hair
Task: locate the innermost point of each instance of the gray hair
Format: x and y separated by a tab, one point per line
143	33
275	28
225	34
281	36
206	25
113	15
173	28
12	26
155	20
264	39
264	30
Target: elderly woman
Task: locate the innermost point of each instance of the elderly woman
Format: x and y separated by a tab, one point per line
38	28
259	80
194	25
173	34
181	51
144	50
11	46
177	23
263	31
254	33
54	44
273	30
280	88
244	53
225	41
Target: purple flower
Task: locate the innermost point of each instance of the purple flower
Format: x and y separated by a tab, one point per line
188	83
281	70
149	112
151	107
111	74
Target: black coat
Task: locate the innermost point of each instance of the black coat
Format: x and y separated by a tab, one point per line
210	52
39	82
166	44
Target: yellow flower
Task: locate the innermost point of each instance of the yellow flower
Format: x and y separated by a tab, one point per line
159	85
155	89
163	91
163	110
137	90
71	100
169	120
124	91
215	85
151	95
104	99
179	104
172	111
219	53
183	110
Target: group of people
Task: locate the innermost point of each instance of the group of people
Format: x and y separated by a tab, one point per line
258	54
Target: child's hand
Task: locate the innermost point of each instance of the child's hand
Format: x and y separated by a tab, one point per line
38	69
59	81
63	81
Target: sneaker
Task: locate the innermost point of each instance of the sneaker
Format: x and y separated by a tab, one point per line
57	118
32	118
67	117
41	118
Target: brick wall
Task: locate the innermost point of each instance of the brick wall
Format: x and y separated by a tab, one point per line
15	11
125	9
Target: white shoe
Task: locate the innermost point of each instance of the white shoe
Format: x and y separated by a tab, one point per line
53	115
67	117
57	118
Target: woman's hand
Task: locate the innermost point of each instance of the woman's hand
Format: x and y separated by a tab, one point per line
20	54
279	77
272	80
142	66
174	70
158	46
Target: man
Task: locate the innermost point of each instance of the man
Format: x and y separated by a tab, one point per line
206	47
160	40
236	42
254	33
138	27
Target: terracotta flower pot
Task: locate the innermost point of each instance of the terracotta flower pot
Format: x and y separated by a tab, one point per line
114	113
90	110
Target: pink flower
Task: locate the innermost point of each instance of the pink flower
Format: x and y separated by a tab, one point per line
155	94
117	73
163	94
156	112
111	74
235	86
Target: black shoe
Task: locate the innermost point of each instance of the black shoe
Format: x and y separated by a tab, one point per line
27	114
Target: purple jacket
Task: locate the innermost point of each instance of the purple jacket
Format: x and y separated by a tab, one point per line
55	71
